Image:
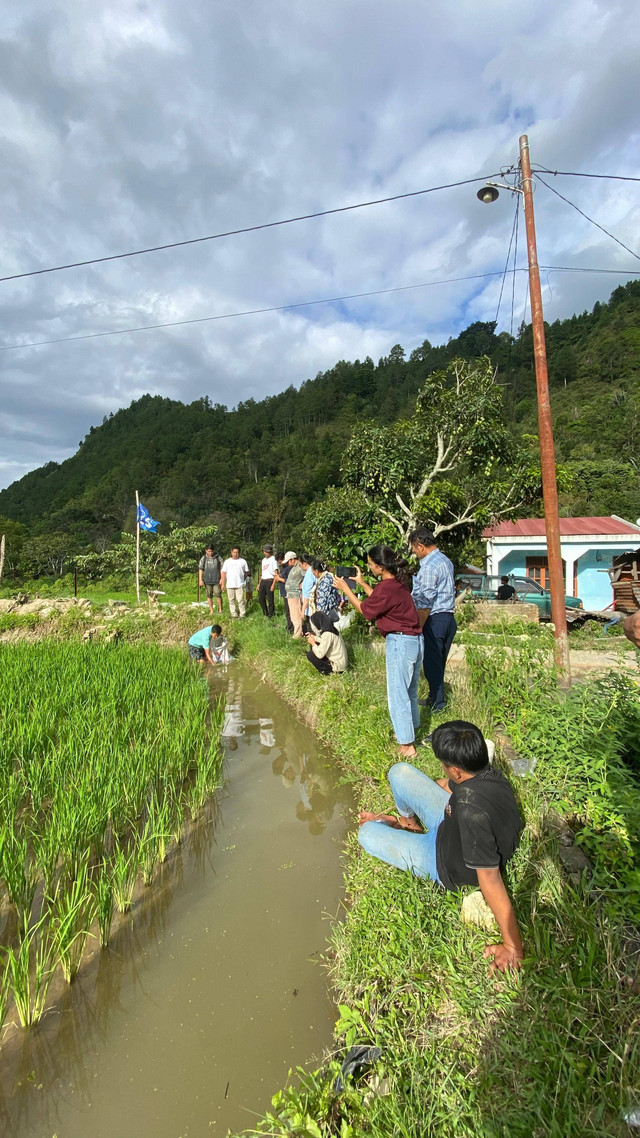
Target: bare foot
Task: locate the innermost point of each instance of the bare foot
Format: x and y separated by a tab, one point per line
407	751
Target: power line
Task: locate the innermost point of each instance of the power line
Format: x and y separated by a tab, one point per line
577	174
246	312
303	304
245	229
515	261
586	216
506	264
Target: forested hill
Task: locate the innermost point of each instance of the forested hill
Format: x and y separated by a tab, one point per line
262	464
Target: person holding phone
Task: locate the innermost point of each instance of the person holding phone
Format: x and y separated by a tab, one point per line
391	605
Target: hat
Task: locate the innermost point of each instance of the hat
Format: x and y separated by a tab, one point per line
290	556
268	548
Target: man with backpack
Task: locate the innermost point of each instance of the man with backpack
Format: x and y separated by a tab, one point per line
209	570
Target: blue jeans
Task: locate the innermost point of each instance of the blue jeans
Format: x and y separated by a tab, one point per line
438	632
404	658
414	794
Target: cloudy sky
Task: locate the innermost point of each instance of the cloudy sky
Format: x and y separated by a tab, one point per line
128	124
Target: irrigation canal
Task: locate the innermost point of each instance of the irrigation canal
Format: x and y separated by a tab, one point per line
192	1017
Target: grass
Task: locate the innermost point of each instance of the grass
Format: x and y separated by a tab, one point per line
553	1052
105	750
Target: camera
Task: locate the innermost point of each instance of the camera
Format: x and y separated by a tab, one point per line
346	571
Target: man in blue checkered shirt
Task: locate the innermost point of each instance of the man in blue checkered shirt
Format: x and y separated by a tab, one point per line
434	595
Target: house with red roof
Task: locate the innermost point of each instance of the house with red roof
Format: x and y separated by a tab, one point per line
588	546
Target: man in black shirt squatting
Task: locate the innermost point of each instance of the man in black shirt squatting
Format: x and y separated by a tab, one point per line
458	830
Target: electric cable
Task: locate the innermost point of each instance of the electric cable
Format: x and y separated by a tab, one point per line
246	312
586	216
301	304
244	229
515	261
506	264
577	174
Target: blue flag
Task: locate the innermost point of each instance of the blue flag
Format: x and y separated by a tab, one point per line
145	521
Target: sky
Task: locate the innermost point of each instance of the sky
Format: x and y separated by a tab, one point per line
126	125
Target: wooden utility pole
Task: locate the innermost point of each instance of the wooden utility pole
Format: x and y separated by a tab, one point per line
2	545
138	546
545	429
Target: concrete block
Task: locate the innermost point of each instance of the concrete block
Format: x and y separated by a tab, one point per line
488	612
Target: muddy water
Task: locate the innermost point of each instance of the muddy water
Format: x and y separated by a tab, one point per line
191	1018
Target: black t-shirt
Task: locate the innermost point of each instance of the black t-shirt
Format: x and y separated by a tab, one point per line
506	592
480	828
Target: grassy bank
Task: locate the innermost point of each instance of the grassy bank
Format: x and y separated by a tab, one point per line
551	1052
105	752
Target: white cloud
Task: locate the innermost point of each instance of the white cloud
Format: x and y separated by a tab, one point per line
128	124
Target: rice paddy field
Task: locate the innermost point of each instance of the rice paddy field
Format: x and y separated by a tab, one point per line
106	753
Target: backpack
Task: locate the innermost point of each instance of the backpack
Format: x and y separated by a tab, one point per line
211	571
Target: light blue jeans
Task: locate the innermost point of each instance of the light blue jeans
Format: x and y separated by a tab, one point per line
414	794
404	661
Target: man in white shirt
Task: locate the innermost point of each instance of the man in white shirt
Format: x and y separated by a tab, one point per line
268	571
232	578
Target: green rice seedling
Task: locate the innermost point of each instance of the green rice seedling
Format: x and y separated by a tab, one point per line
125	871
29	969
105	898
71	912
18	871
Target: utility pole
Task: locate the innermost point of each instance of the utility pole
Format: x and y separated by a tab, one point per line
545	429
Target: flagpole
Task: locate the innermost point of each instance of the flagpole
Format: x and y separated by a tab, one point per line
138	546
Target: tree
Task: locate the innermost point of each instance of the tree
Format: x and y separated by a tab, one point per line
343	525
453	465
15	535
161	556
47	555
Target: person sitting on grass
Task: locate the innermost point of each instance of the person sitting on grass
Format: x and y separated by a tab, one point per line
460	830
327	650
209	644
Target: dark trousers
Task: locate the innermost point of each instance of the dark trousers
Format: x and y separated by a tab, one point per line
287	615
320	663
438	632
265	596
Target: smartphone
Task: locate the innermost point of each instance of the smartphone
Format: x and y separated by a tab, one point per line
346	571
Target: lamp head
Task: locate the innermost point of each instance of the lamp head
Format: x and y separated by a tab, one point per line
487	194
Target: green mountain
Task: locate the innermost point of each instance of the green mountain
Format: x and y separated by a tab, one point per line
256	469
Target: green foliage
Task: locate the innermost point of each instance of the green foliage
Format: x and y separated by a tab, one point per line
552	1052
343	525
100	751
254	471
452	465
161	556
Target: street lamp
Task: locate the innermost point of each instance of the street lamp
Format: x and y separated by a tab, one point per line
489	194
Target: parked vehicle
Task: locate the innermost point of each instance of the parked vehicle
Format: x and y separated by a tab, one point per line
485	588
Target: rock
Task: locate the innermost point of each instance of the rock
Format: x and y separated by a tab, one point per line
92	633
34	606
556	826
575	861
475	911
117	604
7	605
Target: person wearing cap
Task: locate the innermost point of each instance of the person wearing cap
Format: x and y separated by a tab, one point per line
293	585
267	584
281	580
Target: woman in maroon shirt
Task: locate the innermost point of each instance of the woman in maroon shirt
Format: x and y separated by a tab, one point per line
391	605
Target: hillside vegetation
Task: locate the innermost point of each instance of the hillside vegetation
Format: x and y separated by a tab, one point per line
256	469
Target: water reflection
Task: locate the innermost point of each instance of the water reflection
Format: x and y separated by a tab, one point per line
131	1037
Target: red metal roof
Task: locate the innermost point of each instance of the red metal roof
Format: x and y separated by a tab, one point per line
569	527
